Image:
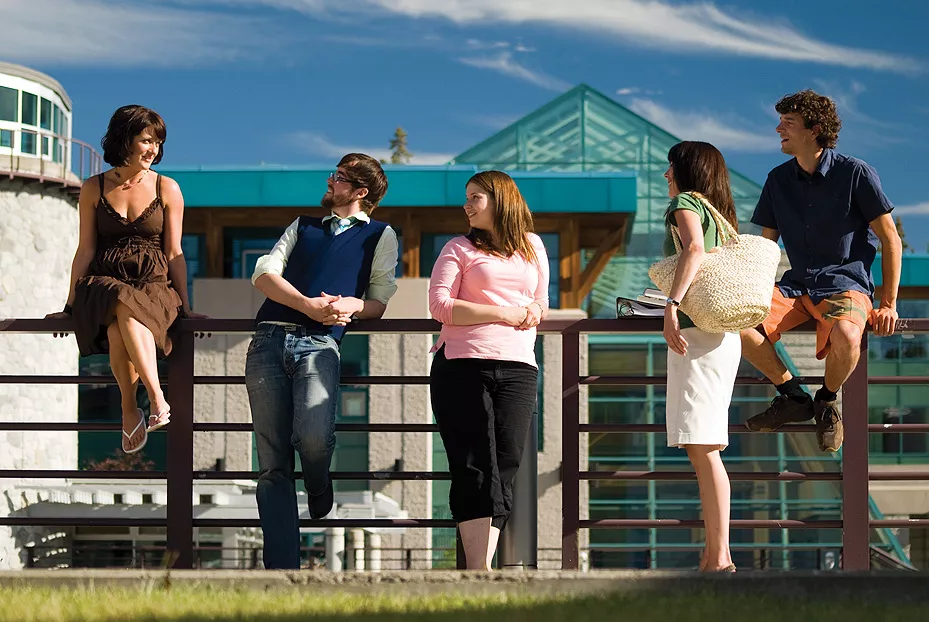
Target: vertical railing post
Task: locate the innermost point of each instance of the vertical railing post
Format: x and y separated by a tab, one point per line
181	450
570	451
856	529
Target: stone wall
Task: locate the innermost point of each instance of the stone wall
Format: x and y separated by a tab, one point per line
38	237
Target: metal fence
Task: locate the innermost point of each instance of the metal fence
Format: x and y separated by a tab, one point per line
180	475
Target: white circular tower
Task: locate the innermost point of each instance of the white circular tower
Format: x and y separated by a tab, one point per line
41	168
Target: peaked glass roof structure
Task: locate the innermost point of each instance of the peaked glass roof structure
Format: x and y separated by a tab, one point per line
584	130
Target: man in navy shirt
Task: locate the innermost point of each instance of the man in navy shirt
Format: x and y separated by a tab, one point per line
830	211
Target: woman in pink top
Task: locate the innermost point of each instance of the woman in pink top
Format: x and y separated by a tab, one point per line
490	290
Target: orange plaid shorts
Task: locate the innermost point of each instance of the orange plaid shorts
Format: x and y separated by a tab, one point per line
787	313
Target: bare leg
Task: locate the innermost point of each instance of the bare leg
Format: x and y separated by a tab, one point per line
479	540
761	353
127	379
140	344
714	496
844	352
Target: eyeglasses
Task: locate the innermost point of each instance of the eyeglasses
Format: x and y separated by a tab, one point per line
336	176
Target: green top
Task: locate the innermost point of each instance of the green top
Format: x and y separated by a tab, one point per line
710	237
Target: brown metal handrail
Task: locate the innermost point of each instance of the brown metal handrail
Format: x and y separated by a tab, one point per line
855	523
180	474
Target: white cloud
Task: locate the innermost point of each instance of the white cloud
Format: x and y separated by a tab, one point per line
694	27
634	90
504	63
691	125
917	209
477	44
316	144
56	32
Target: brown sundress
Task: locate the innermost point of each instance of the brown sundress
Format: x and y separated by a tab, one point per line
130	267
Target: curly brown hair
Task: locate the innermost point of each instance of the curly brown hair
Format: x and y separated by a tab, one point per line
815	109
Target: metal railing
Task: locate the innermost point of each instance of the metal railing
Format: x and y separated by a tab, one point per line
181	475
50	157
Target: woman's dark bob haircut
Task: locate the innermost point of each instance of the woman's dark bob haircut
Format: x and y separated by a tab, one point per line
127	123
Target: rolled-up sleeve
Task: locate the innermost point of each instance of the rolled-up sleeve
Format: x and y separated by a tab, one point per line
445	282
383	283
275	261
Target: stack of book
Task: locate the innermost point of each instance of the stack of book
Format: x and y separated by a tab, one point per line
651	303
653	297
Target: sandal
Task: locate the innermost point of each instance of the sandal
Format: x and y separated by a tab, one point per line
128	437
159	421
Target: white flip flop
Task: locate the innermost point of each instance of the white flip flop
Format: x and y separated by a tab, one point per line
131	434
166	416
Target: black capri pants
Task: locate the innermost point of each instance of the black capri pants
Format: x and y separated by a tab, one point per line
483	408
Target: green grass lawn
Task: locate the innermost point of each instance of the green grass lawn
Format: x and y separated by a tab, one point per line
32	605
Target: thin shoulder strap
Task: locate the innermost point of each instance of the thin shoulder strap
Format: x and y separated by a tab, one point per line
158	187
100	178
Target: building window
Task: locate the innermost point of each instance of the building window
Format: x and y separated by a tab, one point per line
46	117
9	104
30	109
45	146
28	142
6	138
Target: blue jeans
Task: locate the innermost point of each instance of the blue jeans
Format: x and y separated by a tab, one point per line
292	377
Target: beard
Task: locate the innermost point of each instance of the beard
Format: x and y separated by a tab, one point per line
332	200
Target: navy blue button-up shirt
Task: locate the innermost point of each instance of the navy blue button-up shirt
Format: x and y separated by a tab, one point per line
823	220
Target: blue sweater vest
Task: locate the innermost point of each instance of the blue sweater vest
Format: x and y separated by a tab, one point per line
323	262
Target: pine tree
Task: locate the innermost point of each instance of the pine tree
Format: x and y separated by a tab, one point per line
399	154
900	232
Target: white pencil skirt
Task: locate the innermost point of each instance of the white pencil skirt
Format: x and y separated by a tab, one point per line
700	388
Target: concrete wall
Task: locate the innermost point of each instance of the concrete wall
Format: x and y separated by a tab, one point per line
403	355
223	355
38	237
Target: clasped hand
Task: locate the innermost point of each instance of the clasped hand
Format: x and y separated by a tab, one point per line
332	310
522	318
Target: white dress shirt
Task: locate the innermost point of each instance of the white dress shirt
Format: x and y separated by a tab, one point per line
383	282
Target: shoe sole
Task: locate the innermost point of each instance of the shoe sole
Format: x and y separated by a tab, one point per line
773	428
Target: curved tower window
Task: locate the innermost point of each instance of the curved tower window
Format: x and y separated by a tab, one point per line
46	117
30	109
9	104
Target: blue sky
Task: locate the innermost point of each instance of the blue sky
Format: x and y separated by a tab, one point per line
243	82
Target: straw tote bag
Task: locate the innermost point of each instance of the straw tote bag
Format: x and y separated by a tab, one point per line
733	287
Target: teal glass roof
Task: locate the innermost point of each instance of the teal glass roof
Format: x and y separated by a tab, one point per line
584	130
409	186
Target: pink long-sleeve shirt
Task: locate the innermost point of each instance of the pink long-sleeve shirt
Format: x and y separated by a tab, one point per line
462	272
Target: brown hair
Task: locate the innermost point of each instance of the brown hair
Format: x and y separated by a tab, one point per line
512	218
365	172
815	109
127	123
700	167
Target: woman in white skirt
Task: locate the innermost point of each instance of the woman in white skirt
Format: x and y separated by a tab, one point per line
701	366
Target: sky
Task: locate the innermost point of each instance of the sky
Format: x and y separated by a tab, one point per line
297	82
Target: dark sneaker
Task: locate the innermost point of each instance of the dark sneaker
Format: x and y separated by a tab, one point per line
321	504
782	410
830	433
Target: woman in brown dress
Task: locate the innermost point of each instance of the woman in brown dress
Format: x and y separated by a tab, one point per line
129	277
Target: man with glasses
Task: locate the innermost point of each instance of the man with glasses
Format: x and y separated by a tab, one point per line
321	274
